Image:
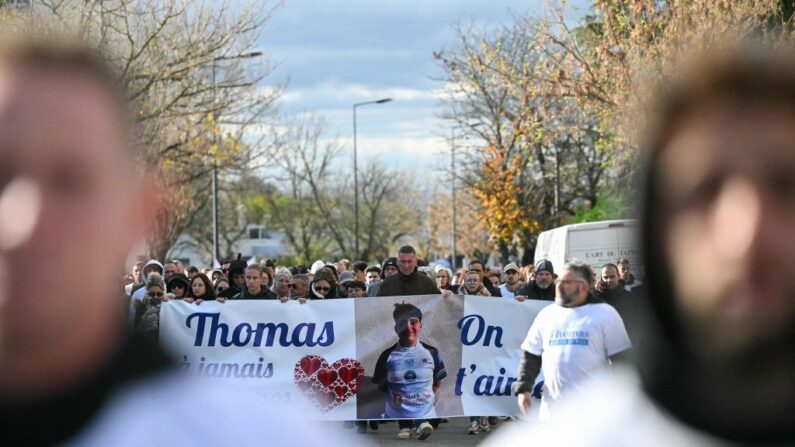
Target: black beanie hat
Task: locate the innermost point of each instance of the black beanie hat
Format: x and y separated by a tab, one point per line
542	265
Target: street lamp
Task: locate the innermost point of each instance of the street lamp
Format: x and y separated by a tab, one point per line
216	248
453	173
356	170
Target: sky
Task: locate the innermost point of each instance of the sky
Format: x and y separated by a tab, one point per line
337	53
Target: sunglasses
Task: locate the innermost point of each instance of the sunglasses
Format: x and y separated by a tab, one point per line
322	289
220	289
157	294
292	286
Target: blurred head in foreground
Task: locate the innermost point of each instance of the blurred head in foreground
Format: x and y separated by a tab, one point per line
720	247
69	372
65	208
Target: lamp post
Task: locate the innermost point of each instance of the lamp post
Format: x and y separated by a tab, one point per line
452	173
216	248
356	171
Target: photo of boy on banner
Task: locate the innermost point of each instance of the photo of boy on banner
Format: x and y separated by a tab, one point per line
409	372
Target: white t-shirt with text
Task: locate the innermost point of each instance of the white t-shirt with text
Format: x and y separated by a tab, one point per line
574	343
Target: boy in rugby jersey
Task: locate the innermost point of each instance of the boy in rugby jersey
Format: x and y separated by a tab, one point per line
409	373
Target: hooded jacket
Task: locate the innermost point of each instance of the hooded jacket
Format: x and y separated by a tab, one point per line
147	323
235	267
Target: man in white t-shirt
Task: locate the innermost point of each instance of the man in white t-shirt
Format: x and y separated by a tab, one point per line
570	341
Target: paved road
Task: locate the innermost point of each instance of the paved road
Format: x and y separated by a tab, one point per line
453	434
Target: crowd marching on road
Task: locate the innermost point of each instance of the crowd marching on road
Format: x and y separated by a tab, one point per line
152	282
709	323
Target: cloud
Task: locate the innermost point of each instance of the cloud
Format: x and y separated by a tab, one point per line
332	91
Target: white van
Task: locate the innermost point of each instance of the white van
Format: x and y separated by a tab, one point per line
596	243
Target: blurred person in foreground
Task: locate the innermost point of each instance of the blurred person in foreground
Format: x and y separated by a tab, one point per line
70	372
717	366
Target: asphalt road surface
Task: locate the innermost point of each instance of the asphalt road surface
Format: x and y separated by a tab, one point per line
452	433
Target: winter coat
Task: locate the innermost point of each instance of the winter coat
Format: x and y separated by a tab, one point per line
139	294
264	294
313	295
414	284
533	292
147	318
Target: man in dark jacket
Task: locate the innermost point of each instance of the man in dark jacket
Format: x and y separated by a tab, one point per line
542	287
627	278
610	287
254	289
408	281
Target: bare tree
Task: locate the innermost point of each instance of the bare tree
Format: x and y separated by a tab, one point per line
313	206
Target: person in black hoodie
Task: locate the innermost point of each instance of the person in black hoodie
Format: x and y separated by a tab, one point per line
388	268
717	363
324	285
254	289
237	280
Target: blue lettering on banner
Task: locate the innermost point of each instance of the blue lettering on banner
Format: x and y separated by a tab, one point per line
263	334
251	370
482	331
486	385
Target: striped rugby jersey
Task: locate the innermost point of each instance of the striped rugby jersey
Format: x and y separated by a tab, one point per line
407	376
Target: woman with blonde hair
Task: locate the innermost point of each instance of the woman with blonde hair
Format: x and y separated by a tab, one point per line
444	279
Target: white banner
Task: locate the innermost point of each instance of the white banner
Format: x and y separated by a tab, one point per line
367	358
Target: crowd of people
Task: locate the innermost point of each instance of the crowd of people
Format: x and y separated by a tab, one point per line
150	283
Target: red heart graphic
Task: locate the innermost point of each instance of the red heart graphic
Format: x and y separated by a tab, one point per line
326	376
326	385
347	374
310	365
341	390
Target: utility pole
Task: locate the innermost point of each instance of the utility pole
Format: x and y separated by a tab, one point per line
356	173
455	207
